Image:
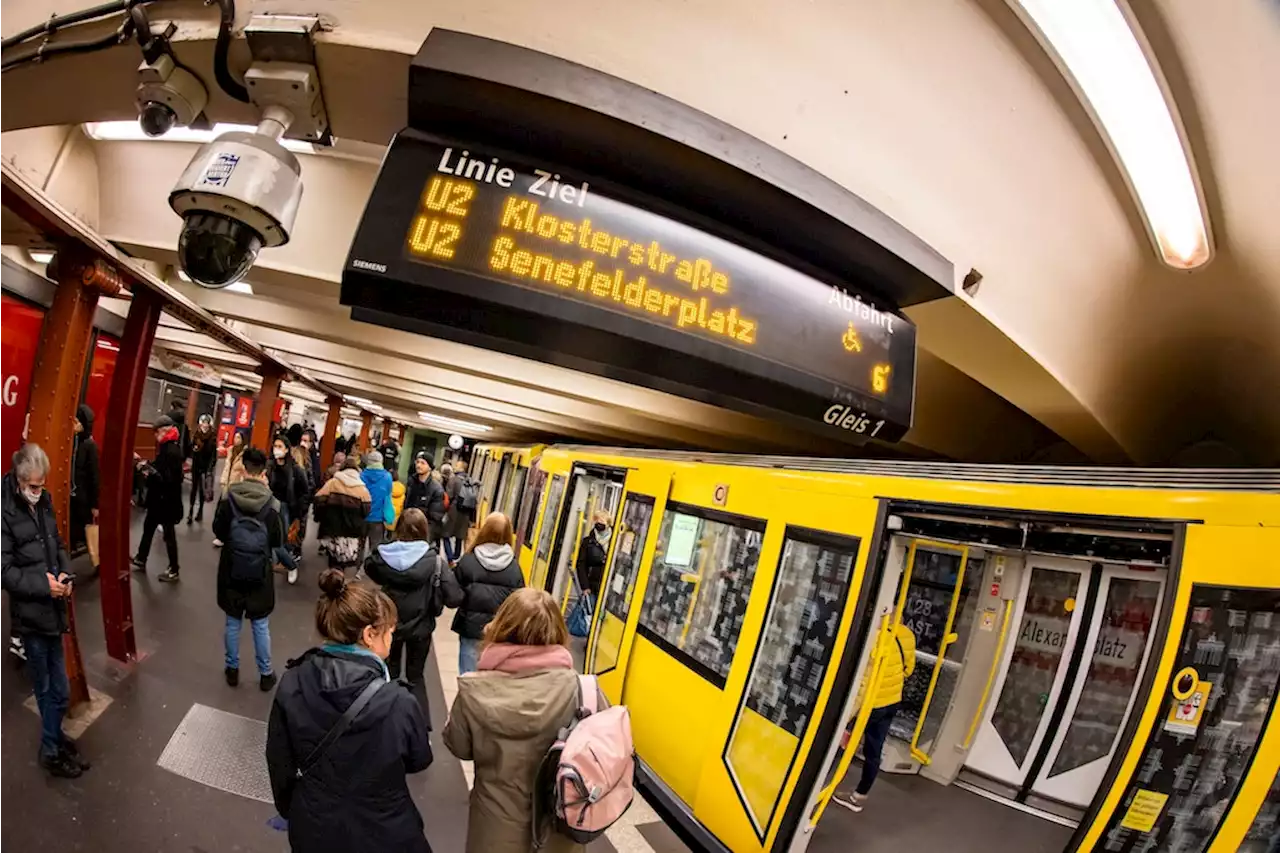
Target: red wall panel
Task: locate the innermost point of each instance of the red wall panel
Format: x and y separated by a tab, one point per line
20	324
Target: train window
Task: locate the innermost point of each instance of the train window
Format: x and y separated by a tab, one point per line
801	630
529	507
633	530
549	515
1264	833
699	585
1221	691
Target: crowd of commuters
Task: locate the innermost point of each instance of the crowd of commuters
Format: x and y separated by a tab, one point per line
349	721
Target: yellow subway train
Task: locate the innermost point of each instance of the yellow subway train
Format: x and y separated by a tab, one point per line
1099	648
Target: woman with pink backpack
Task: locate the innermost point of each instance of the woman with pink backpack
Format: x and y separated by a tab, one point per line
524	718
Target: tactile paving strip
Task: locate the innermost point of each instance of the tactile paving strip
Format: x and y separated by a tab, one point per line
221	750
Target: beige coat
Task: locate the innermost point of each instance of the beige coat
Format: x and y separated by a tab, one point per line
506	724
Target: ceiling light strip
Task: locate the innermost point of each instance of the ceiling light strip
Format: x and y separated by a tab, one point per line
1097	47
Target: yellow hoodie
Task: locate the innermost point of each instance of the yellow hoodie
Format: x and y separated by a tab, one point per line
397	502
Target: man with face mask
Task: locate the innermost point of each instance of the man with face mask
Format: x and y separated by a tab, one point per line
37	576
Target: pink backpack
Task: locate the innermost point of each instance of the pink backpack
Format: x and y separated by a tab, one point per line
586	780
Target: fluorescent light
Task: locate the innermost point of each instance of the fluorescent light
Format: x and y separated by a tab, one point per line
1096	46
40	256
129	131
361	401
240	287
453	423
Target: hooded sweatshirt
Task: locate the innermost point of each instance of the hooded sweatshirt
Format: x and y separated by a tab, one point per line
483	579
505	718
378	481
341	505
85	474
239	598
407	573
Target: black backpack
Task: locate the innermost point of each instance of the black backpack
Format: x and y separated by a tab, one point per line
468	494
249	543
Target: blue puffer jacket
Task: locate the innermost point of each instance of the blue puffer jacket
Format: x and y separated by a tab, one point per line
378	482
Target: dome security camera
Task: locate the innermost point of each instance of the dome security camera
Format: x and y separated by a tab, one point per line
239	193
167	96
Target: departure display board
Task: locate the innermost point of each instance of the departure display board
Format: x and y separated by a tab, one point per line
553	243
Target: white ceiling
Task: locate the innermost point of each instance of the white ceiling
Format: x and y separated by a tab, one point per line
945	114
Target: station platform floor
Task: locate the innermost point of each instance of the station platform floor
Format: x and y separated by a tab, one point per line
176	707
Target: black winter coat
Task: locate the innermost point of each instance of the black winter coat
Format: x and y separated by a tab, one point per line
289	485
204	454
591	560
478	592
164	486
415	588
355	799
31	548
239	598
86	473
428	497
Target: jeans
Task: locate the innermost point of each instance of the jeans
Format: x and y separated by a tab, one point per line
283	554
375	533
261	643
197	494
452	547
873	744
468	655
149	525
48	673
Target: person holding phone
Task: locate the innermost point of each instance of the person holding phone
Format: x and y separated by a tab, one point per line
37	576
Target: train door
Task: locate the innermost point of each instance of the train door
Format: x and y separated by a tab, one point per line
591	489
644	499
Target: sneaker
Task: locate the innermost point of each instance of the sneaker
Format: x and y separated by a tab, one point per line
293	576
232	676
853	802
138	564
266	682
60	766
72	753
16	648
170	576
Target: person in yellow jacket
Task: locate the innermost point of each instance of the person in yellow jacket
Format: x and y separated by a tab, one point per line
397	498
896	651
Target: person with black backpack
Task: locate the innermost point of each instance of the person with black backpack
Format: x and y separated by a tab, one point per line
409	572
463	495
249	523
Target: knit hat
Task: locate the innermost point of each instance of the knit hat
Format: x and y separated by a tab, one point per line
163	421
373	459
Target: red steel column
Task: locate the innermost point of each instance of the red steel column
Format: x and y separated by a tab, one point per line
272	376
61	361
329	439
123	408
366	424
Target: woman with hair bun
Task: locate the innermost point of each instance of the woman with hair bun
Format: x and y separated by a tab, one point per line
342	736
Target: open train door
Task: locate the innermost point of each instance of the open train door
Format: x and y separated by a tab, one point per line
644	498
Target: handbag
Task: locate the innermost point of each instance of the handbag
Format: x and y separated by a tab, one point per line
207	486
91	539
579	621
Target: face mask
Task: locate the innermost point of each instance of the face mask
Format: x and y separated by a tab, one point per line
33	497
600	526
278	453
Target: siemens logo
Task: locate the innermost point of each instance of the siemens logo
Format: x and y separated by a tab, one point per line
368	265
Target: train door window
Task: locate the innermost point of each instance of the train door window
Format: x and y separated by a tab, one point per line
699	585
1263	835
632	532
810	590
550	515
516	491
591	492
1220	694
529	507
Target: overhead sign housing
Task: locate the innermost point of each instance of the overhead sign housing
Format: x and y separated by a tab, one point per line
585	239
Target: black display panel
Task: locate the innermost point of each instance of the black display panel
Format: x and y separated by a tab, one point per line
541	261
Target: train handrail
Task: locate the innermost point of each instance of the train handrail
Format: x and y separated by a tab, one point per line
991	675
948	637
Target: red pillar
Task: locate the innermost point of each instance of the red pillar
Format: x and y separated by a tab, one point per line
123	408
272	376
366	424
329	439
61	361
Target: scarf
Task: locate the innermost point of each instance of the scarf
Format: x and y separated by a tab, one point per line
513	659
351	648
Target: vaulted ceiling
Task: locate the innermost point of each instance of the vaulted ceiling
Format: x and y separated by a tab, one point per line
948	116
